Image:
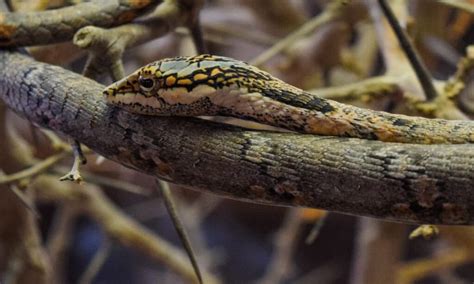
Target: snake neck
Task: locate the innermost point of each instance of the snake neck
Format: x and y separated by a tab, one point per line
279	104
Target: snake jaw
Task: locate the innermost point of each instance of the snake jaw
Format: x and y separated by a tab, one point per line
109	92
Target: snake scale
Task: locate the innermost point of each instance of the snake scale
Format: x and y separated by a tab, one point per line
208	85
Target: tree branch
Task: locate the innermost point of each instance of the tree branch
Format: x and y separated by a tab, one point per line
45	27
409	183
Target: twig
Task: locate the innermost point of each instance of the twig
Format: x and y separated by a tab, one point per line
56	142
5	6
285	242
251	36
29	204
35	170
198	39
420	69
457	82
395	60
97	262
314	233
74	174
106	46
24	199
194	214
147	210
34	137
330	13
117	71
459	252
16	29
194	23
117	225
107	181
24	258
59	238
329	272
460	4
409	272
178	225
377	242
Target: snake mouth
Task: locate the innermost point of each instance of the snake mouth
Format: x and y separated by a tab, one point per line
121	97
109	92
134	102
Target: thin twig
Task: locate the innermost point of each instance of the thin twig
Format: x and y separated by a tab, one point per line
117	225
117	71
314	233
460	4
24	199
377	242
56	142
194	215
106	181
285	242
420	69
411	271
178	225
230	31
97	262
106	46
59	238
457	83
329	14
34	136
197	36
79	159
34	170
194	24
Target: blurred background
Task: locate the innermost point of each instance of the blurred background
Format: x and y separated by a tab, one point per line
249	243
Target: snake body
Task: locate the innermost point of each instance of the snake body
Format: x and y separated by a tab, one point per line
207	85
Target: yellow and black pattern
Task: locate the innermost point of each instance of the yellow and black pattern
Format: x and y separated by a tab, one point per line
214	85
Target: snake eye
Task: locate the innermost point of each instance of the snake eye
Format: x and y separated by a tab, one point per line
146	84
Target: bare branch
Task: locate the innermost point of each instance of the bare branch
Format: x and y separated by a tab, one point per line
404	182
36	28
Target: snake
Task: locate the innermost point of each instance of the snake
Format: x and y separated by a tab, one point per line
210	85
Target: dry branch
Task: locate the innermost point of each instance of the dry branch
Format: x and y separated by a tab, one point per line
409	183
45	27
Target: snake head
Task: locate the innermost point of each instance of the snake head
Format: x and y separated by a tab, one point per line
138	92
183	86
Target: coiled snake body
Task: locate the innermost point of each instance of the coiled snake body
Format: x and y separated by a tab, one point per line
207	85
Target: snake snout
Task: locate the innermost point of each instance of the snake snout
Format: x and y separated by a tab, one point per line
109	92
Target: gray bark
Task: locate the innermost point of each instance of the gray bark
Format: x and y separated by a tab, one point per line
403	182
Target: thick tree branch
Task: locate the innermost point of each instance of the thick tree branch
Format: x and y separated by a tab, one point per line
409	183
106	46
45	27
